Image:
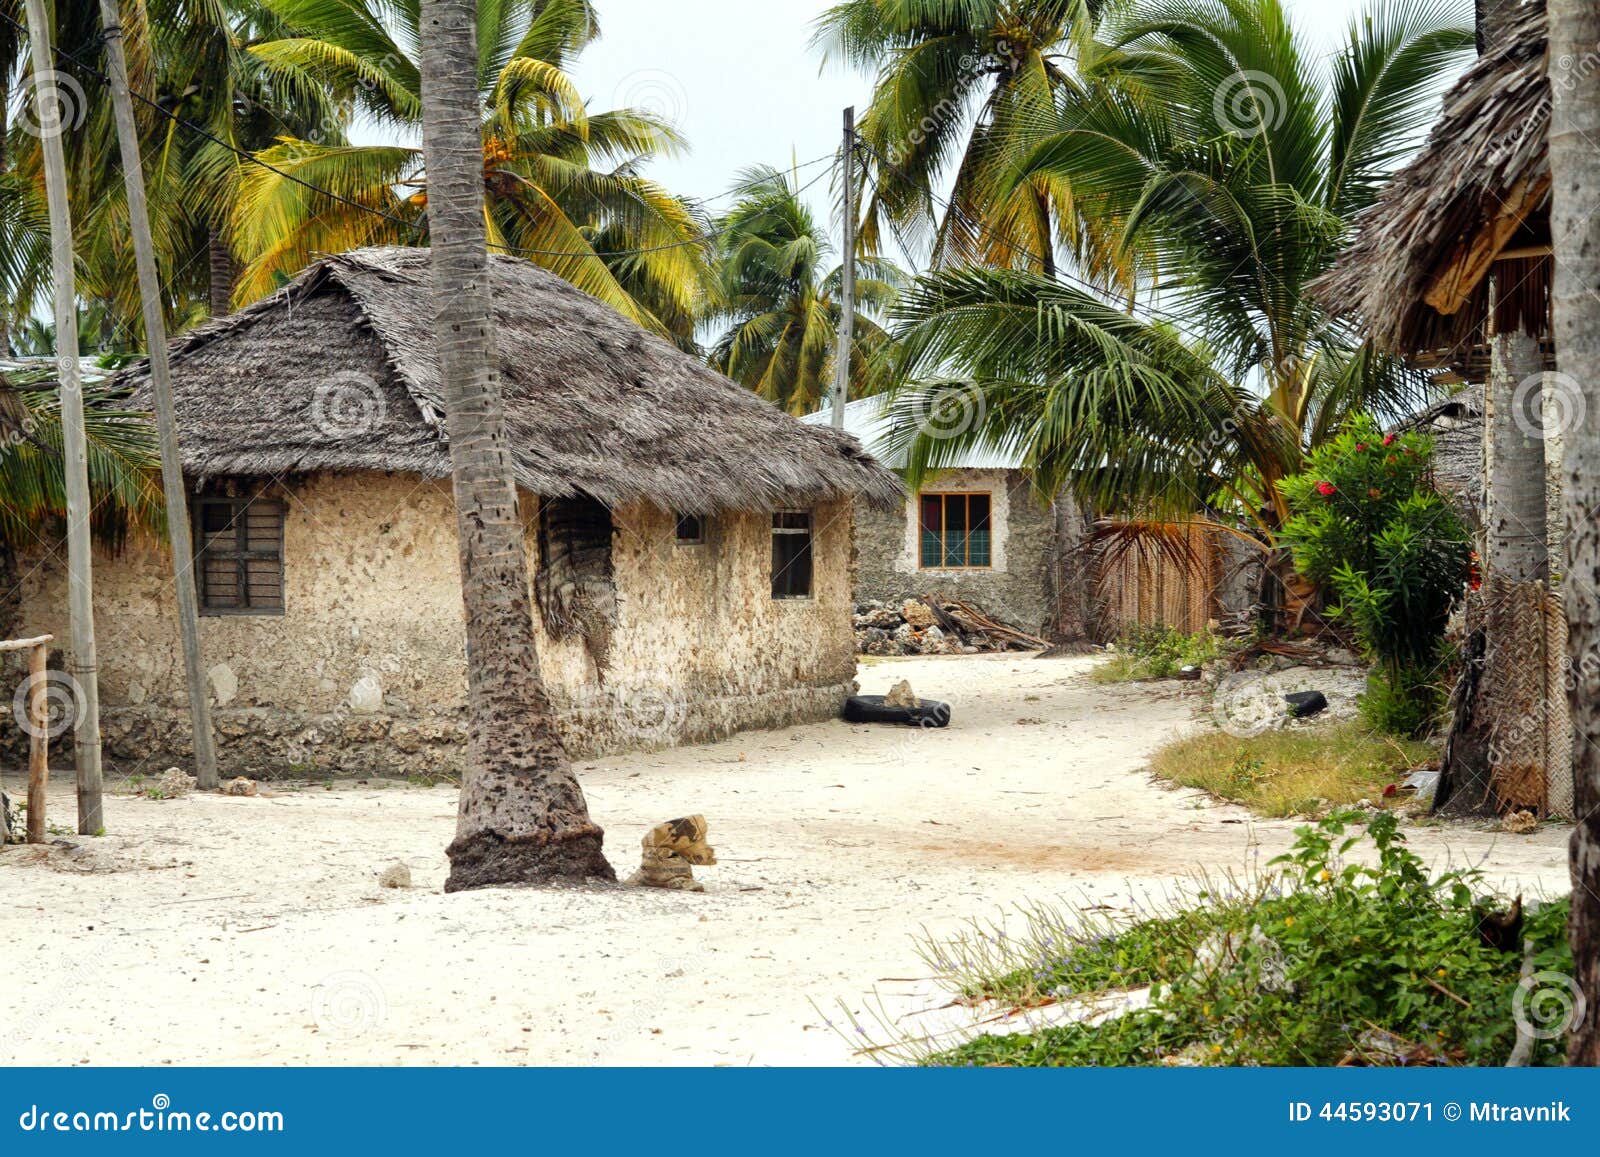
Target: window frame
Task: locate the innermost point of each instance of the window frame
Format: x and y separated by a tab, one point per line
239	524
678	519
808	550
944	497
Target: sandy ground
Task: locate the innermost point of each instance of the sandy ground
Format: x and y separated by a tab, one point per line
212	930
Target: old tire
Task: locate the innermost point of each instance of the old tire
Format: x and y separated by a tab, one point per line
871	709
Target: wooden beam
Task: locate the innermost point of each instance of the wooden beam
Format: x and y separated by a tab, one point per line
1523	252
1454	284
38	737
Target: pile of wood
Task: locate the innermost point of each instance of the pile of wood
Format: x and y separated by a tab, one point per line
936	625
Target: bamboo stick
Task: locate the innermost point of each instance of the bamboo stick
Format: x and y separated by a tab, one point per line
38	737
84	667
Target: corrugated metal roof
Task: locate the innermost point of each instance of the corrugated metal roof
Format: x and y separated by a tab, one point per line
868	421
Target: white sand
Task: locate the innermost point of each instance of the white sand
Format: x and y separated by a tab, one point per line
212	930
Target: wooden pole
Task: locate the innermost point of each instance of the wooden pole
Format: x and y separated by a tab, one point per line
38	740
847	293
155	340
83	667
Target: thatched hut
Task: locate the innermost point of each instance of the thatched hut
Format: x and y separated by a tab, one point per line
1452	269
1475	200
689	543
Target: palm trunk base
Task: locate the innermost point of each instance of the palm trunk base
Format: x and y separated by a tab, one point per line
1583	1047
486	859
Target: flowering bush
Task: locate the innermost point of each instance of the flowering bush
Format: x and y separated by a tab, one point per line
1370	528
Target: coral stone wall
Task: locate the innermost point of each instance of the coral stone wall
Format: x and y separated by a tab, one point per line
364	671
1015	588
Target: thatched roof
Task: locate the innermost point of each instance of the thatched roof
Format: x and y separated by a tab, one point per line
337	371
1456	425
1414	278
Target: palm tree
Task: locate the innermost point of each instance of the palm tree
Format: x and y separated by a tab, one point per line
775	292
540	148
1240	178
124	485
961	92
1575	182
522	815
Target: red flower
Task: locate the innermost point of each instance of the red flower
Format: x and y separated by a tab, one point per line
1326	489
1390	791
1361	445
1388	439
1374	493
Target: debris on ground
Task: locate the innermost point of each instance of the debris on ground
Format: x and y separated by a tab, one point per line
1305	704
174	783
668	851
901	695
878	709
935	625
239	785
396	875
10	826
1519	823
1378	1048
1251	702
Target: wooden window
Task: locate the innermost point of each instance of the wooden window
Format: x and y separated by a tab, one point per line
239	555
574	585
791	554
691	530
954	531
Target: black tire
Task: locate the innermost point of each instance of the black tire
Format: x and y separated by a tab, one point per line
871	709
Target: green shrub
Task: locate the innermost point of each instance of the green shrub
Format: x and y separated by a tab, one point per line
1318	958
1158	652
1369	528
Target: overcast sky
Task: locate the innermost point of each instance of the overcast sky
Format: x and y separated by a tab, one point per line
738	78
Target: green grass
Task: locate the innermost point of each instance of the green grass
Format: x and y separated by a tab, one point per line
1157	652
1315	958
1286	773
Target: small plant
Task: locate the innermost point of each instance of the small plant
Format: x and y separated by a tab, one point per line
1159	652
1320	959
1370	528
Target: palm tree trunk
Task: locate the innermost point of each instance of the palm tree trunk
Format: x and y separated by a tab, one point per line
1072	577
1575	229
222	274
1500	734
522	816
5	100
1516	541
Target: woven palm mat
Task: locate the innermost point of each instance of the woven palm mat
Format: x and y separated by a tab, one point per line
1516	692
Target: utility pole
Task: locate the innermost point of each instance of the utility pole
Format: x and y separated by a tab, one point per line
847	295
155	340
84	669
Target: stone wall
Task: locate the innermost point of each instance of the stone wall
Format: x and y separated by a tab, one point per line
1015	587
364	672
